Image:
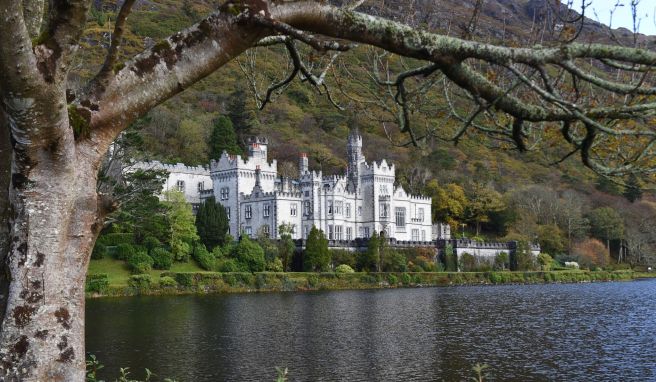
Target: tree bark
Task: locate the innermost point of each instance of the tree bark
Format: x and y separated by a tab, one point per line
53	227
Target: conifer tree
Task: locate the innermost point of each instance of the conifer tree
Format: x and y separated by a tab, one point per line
632	190
239	115
317	255
368	260
223	138
211	223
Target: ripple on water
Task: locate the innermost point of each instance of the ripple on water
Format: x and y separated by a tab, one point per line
601	332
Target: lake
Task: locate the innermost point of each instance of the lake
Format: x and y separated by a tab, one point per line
567	332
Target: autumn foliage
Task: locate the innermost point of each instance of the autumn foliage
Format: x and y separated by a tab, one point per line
592	253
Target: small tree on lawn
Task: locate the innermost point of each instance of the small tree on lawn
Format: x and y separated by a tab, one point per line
286	246
211	223
183	229
317	255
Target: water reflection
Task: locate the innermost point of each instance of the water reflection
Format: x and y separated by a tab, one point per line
603	331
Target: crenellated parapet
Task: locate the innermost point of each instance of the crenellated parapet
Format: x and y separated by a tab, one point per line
172	168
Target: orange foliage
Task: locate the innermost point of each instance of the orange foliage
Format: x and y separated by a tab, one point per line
592	253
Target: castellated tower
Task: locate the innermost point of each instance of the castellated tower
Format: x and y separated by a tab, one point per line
303	164
355	158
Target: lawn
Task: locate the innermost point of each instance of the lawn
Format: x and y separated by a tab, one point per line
118	270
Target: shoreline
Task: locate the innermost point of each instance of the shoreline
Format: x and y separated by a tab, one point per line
202	283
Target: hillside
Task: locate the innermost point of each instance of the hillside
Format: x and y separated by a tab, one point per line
301	120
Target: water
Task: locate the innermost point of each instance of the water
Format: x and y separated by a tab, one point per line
573	332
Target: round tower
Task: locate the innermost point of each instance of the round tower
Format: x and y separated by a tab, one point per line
355	157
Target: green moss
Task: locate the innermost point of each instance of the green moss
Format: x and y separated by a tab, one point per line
79	124
118	67
162	46
41	38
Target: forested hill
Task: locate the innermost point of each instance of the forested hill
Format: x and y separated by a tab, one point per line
480	181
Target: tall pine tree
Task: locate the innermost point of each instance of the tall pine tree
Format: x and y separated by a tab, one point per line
223	138
242	119
211	223
632	190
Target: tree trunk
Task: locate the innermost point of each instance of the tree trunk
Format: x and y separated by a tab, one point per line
53	225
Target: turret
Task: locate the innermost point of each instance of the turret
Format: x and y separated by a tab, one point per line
257	148
303	164
355	157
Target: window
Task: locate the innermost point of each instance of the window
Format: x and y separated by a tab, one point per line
415	234
420	214
330	207
293	209
383	189
384	210
338	232
180	185
201	186
249	212
359	210
330	232
400	216
266	212
248	231
307	194
348	210
227	210
423	235
225	193
366	232
349	233
338	207
266	231
307	209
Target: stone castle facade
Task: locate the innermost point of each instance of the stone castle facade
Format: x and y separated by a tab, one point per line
354	205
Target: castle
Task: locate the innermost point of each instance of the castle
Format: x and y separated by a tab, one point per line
348	208
345	207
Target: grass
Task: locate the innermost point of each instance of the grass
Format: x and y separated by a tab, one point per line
118	271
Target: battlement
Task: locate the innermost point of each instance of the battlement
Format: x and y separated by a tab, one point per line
270	195
379	168
179	168
236	162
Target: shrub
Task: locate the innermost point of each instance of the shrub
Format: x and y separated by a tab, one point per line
229	265
97	283
167	282
162	259
151	242
99	251
141	282
591	253
230	279
115	239
545	261
184	279
217	252
392	279
394	262
250	254
124	251
275	265
405	279
343	268
140	262
369	279
341	256
313	280
204	258
467	262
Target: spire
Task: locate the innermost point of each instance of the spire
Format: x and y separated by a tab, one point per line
355	157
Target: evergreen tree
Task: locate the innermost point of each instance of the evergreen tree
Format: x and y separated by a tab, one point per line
240	115
606	185
211	223
317	255
223	138
632	190
368	260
